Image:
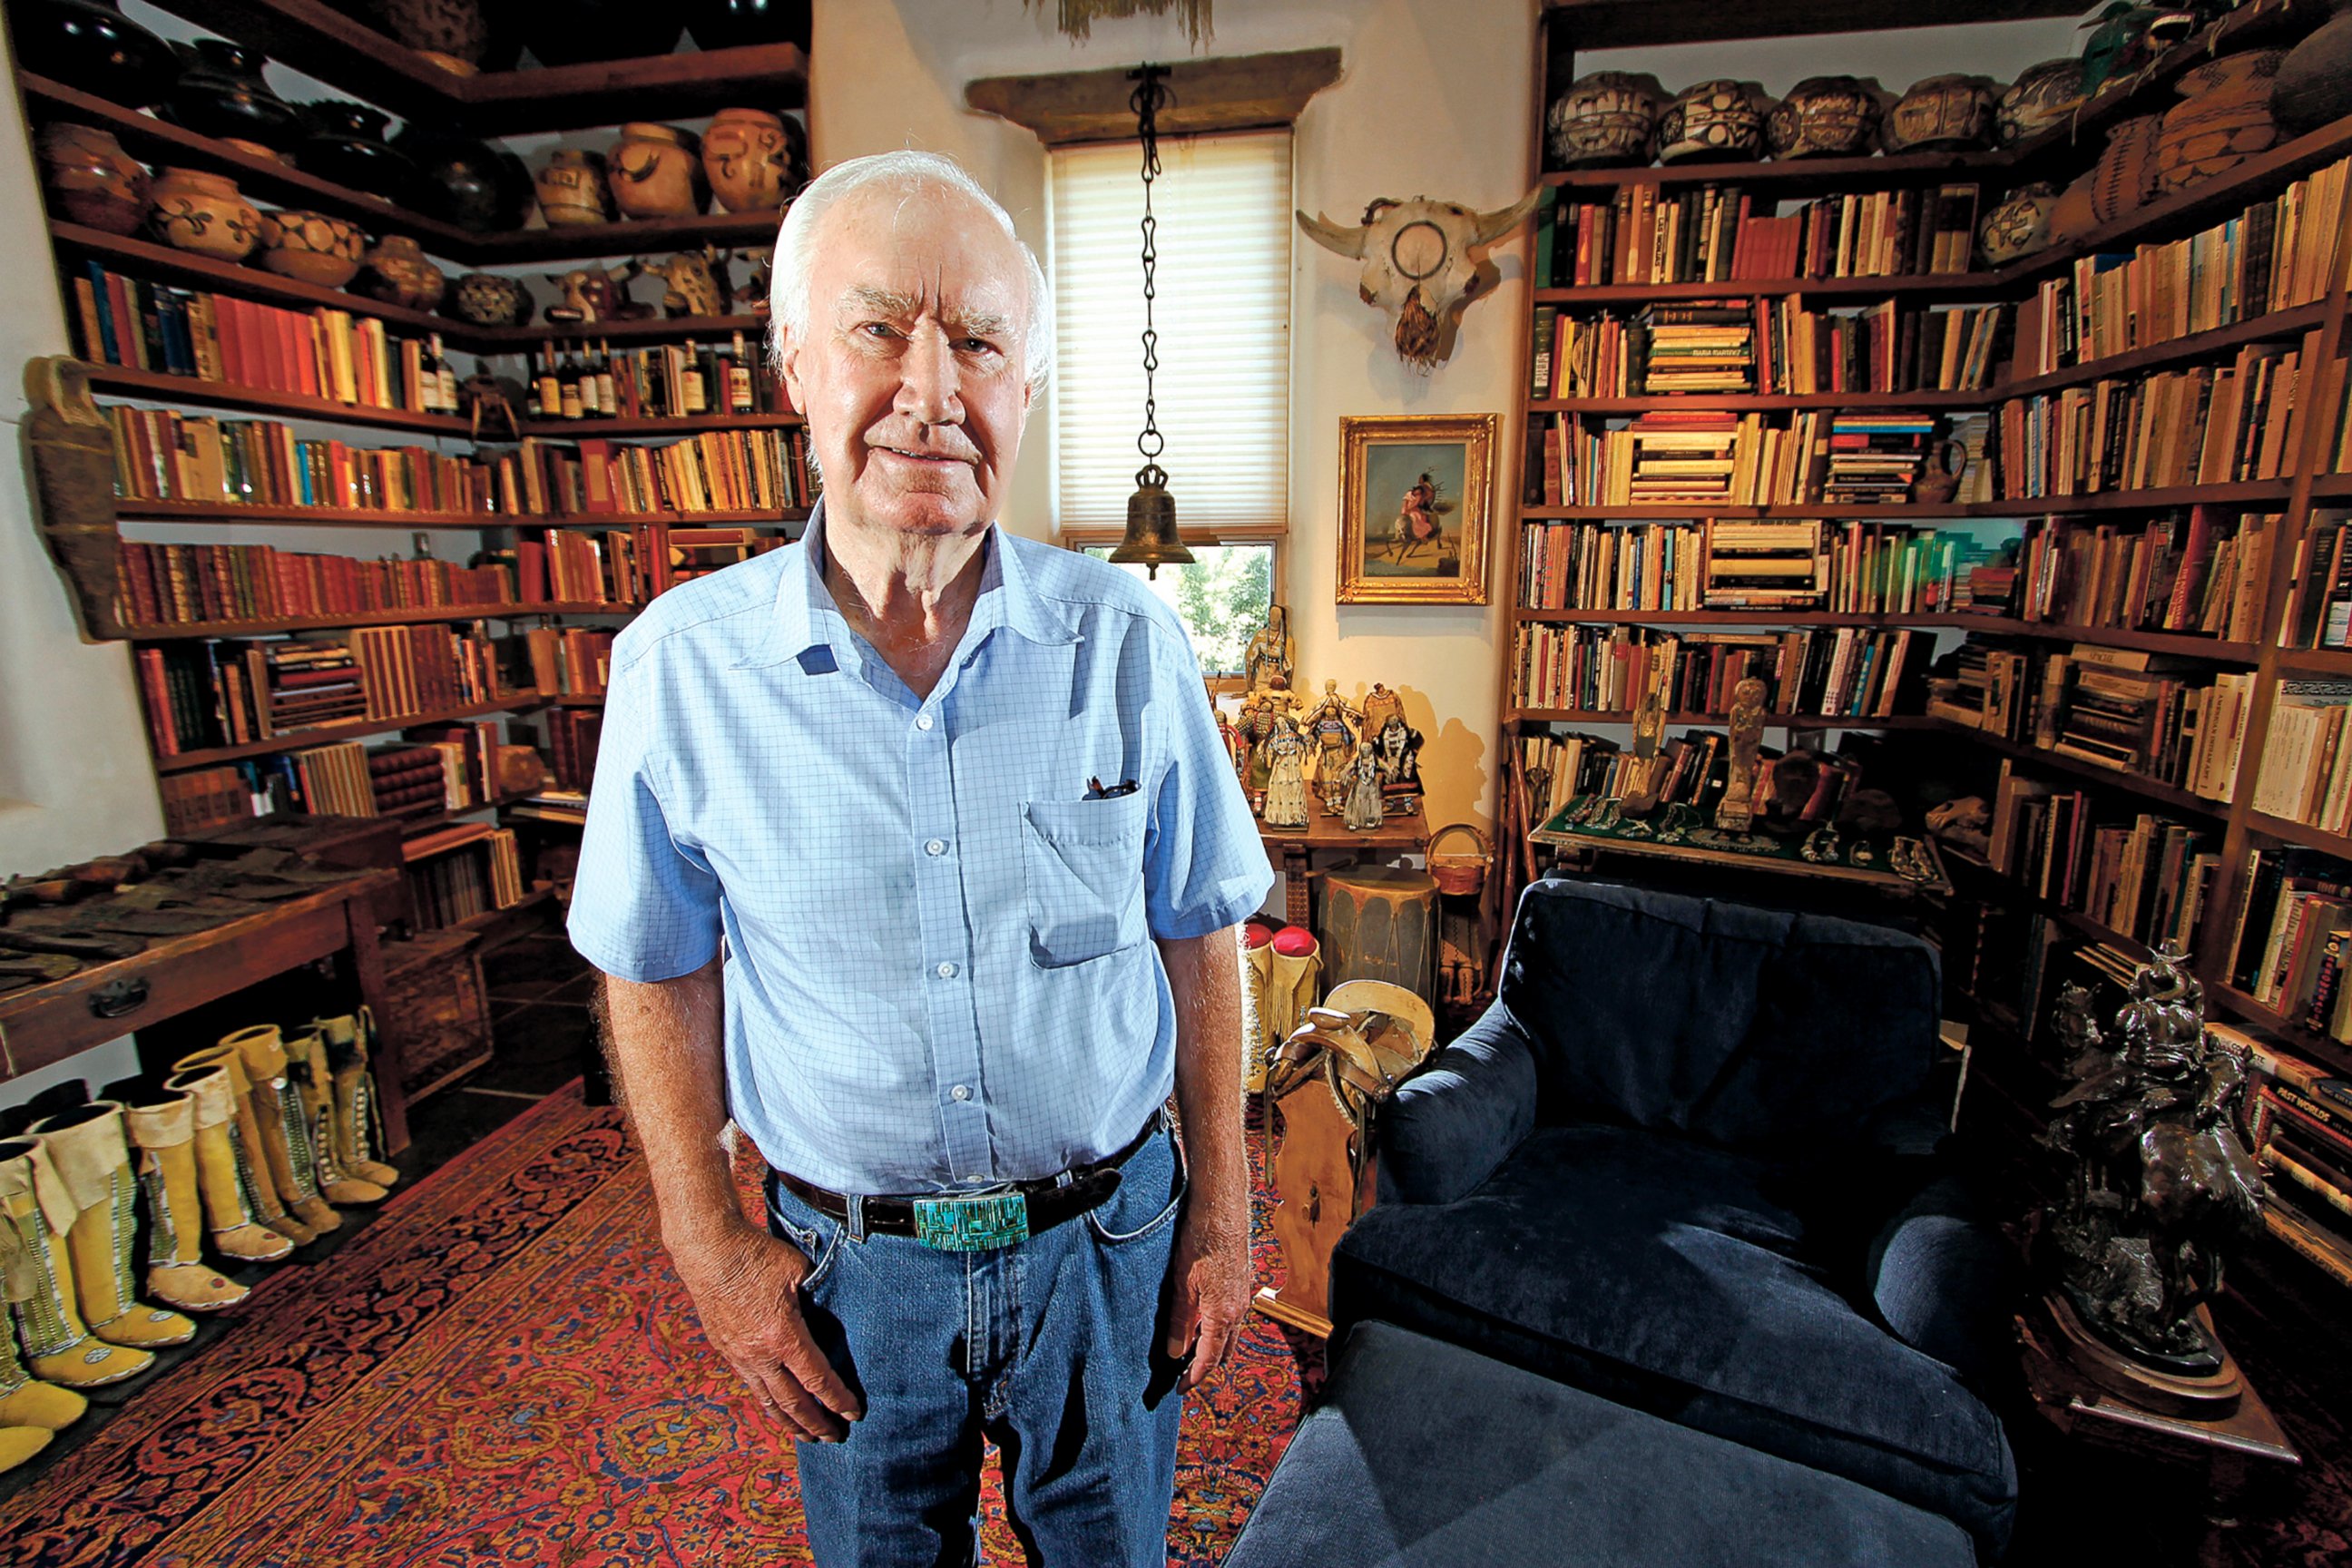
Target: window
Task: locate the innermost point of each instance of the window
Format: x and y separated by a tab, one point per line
1222	599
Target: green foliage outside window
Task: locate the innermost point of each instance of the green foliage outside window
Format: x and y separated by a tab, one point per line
1222	598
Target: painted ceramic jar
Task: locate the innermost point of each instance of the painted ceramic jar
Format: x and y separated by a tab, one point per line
1714	121
398	274
312	247
90	45
203	213
2043	96
1943	114
2126	178
749	160
1825	116
731	23
220	93
91	179
655	172
1607	117
2314	81
2019	226
491	299
2223	118
346	145
571	191
471	184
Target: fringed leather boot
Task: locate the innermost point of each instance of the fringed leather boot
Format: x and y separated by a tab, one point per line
87	1147
164	1129
314	1086
1297	965
221	1170
58	1346
285	1137
359	1125
253	1162
24	1401
1257	977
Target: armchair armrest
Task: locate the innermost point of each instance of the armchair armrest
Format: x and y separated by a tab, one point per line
1452	1122
1944	1281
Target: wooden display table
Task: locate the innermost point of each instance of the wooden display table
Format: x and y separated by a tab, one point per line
1749	852
1291	850
43	1024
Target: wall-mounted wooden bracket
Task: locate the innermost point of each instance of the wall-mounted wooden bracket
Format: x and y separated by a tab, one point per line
69	458
1235	92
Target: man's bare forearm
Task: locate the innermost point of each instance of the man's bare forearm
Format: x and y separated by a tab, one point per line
1204	973
667	1047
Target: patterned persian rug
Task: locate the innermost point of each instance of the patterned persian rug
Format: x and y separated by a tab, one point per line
501	1368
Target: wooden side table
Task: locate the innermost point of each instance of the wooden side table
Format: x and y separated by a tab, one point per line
1291	850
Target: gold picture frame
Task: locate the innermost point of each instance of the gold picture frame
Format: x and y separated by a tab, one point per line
1416	499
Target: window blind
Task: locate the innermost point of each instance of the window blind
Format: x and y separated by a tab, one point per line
1223	311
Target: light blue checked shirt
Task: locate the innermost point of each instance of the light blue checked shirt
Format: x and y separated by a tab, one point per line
939	974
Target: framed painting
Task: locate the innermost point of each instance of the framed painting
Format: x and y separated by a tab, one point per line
1415	496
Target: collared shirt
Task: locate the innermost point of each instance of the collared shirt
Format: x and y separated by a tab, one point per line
939	969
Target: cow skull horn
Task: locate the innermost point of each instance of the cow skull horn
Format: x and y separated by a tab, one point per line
1347	241
1494	225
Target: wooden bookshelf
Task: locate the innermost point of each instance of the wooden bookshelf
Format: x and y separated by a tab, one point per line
580	241
295	741
558	429
410	618
1951	285
2277	324
161	387
650	329
149	259
1683	721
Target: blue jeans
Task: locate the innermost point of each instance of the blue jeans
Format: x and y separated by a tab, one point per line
1053	1348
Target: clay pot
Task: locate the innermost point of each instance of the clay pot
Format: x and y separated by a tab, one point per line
2020	226
2126	179
655	172
575	32
2314	81
2041	97
453	32
1942	114
1607	117
731	23
748	158
91	179
312	247
2223	118
346	145
2073	213
203	213
1940	477
398	274
220	93
1825	116
1710	122
467	183
490	299
90	45
572	189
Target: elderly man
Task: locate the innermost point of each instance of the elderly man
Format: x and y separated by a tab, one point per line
880	827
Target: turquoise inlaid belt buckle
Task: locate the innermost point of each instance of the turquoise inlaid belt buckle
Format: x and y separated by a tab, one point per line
976	1223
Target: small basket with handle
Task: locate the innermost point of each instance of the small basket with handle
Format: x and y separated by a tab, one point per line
1457	872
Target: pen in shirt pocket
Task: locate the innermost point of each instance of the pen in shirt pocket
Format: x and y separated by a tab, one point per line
1097	790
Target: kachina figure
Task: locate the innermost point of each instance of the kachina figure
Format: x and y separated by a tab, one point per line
1363	774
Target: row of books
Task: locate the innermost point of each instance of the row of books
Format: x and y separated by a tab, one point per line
2203	571
1696	456
2273	256
1710	234
2145	878
320	353
713	470
193	585
1844	672
2206	425
2306	768
2299	1127
222	691
2123	709
2319	607
1774	346
433	768
159	455
2292	902
447	889
572	737
1854	567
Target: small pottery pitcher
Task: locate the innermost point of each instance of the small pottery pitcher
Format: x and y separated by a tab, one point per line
398	274
91	179
655	172
312	247
572	189
203	213
748	156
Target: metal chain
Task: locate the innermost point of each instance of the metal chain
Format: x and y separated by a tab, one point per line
1151	93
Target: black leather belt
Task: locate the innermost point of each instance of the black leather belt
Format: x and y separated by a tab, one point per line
976	1222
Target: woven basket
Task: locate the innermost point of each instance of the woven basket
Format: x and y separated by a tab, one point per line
1464	874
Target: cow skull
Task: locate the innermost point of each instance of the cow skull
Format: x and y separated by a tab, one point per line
1419	266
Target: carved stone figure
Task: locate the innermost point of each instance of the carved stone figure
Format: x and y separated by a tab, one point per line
1737	810
1418	265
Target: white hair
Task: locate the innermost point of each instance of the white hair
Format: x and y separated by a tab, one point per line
908	172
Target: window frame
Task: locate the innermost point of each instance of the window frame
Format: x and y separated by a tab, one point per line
1082	537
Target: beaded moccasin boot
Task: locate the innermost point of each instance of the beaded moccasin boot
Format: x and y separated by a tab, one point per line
314	1086
24	1401
253	1161
359	1127
1297	965
221	1170
164	1129
285	1135
1257	977
87	1147
58	1347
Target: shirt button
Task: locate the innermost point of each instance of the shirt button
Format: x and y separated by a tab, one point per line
961	1091
922	720
945	971
936	847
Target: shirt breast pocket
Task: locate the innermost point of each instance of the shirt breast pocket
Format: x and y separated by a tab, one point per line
1082	862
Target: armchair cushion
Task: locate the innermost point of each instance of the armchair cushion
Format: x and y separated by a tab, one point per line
1453	1121
1692	1281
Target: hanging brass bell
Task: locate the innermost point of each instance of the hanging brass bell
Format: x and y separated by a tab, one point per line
1151	538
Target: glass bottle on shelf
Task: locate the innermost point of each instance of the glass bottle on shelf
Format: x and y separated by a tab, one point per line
607	399
738	380
568	383
445	375
549	389
697	398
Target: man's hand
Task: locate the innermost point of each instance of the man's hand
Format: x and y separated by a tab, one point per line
746	1289
1209	1277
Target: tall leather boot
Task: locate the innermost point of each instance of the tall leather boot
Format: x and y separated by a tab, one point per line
24	1401
253	1162
58	1347
1258	975
1297	967
87	1148
314	1086
164	1129
359	1126
285	1139
221	1170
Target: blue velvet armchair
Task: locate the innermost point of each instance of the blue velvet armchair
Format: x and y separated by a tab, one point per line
1689	1162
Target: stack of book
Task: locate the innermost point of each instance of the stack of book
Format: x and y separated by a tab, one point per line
303	681
204	798
572	737
2132	711
569	661
2319	613
1760	565
2145	879
1681	455
714	470
1985	688
411	780
567	806
2299	1125
1696	348
335	780
699	551
1885	347
2204	572
2306	767
1876	457
188	584
1647	234
1846	672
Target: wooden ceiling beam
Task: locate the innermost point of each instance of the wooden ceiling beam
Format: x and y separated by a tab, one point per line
1233	93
